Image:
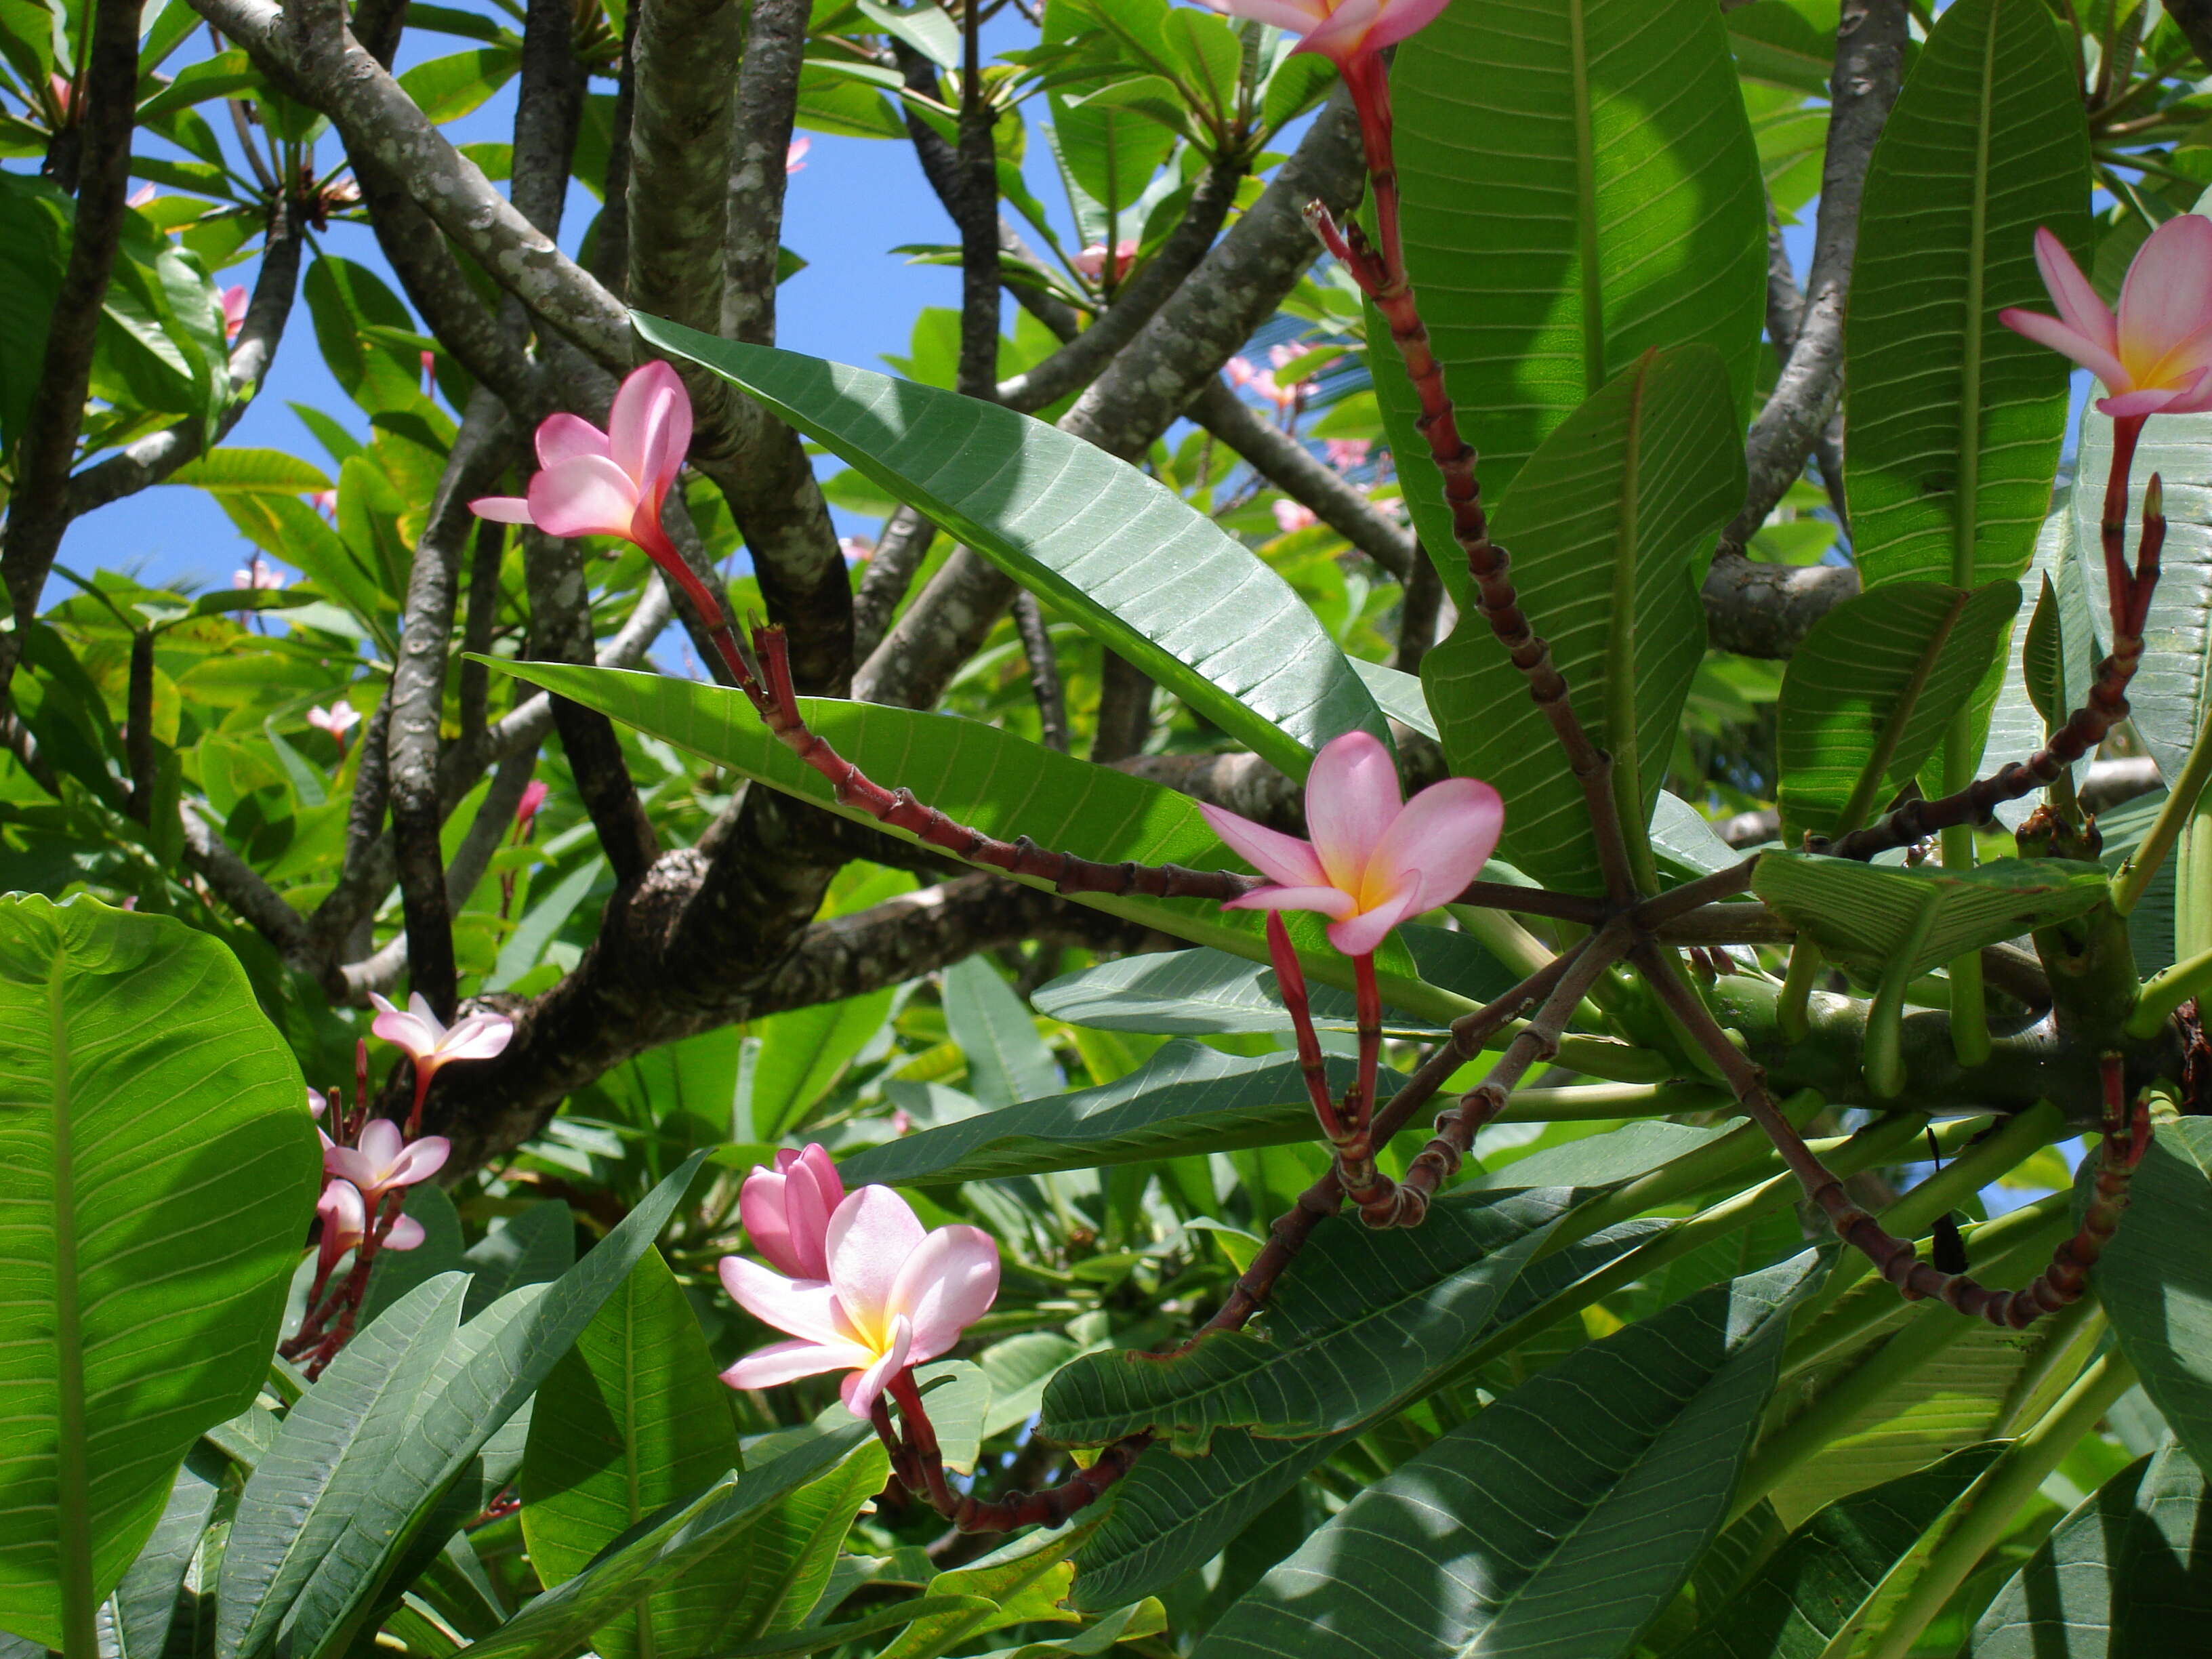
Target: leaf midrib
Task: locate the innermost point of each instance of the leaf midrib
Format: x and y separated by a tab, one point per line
72	1480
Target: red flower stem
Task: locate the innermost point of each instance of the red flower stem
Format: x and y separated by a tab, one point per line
2126	1135
423	1075
1355	1146
2113	525
1291	986
2105	708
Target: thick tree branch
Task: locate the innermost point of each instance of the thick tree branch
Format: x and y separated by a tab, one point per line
152	459
239	885
1124	725
1870	40
37	504
1760	609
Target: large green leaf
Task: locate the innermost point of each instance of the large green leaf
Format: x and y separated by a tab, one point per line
2059	643
134	1622
803	1052
1907	921
157	1171
490	1371
1022	1581
630	1420
1956	420
1145	572
1172	1514
790	1552
1611	525
2172	691
657	1554
1007	1060
1558	1522
1360	1318
1581	185
1870	692
2155	1277
997	783
1187	1099
2122	1575
334	1447
1811	1589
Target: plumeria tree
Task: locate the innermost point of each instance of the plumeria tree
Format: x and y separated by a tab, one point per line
1547	570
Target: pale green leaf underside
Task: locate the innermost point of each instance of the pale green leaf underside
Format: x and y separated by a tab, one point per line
1873	914
2155	1277
1141	568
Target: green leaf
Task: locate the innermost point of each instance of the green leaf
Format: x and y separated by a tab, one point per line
500	1359
395	1273
252	471
630	1421
1786	43
1020	1582
1558	1522
1396	693
1149	576
1885	918
668	1545
1814	1588
2054	659
961	767
134	1623
1956	420
448	87
804	1051
1185	1099
2172	691
1007	1060
1361	1316
334	1445
34	240
2156	1279
526	945
1870	694
1581	186
788	1554
157	1169
1611	525
2122	1576
534	1247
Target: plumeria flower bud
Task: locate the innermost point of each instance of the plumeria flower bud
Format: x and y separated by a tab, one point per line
1376	858
525	810
1342	31
895	1297
1291	516
591	482
2156	356
430	1044
385	1160
337	719
1091	262
234	302
787	1211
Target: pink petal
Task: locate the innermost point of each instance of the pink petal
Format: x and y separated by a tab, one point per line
2167	296
380	1141
2195	394
407	1031
406	1233
341	1207
563	437
478	1036
650	427
1448	833
1279	857
1401	18
588	496
1345	32
421	1160
505	509
805	1308
762	1208
2157	400
1360	936
1327	900
419	1006
785	1362
2050	332
1295	16
2079	305
827	1181
860	1390
348	1165
945	1286
1351	798
869	1239
807	1209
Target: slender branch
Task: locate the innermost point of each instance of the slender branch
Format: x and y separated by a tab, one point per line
899	552
1870	43
766	112
138	726
481	618
1043	658
1124	723
39	495
241	886
1761	610
1419	615
976	212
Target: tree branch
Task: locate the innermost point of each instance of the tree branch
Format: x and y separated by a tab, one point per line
899	552
37	504
1761	610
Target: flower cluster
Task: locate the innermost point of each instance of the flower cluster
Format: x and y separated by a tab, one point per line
858	1283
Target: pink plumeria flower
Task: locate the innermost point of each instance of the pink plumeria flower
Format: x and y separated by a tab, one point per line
1376	858
1240	371
315	1103
613	482
344	1216
856	548
1091	262
429	372
525	810
1346	454
144	196
896	1297
234	303
794	158
787	1211
1340	30
430	1044
324	501
1291	516
258	575
386	1159
2156	356
1284	397
337	719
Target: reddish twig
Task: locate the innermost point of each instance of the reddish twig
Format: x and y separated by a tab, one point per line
1291	986
1895	1259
